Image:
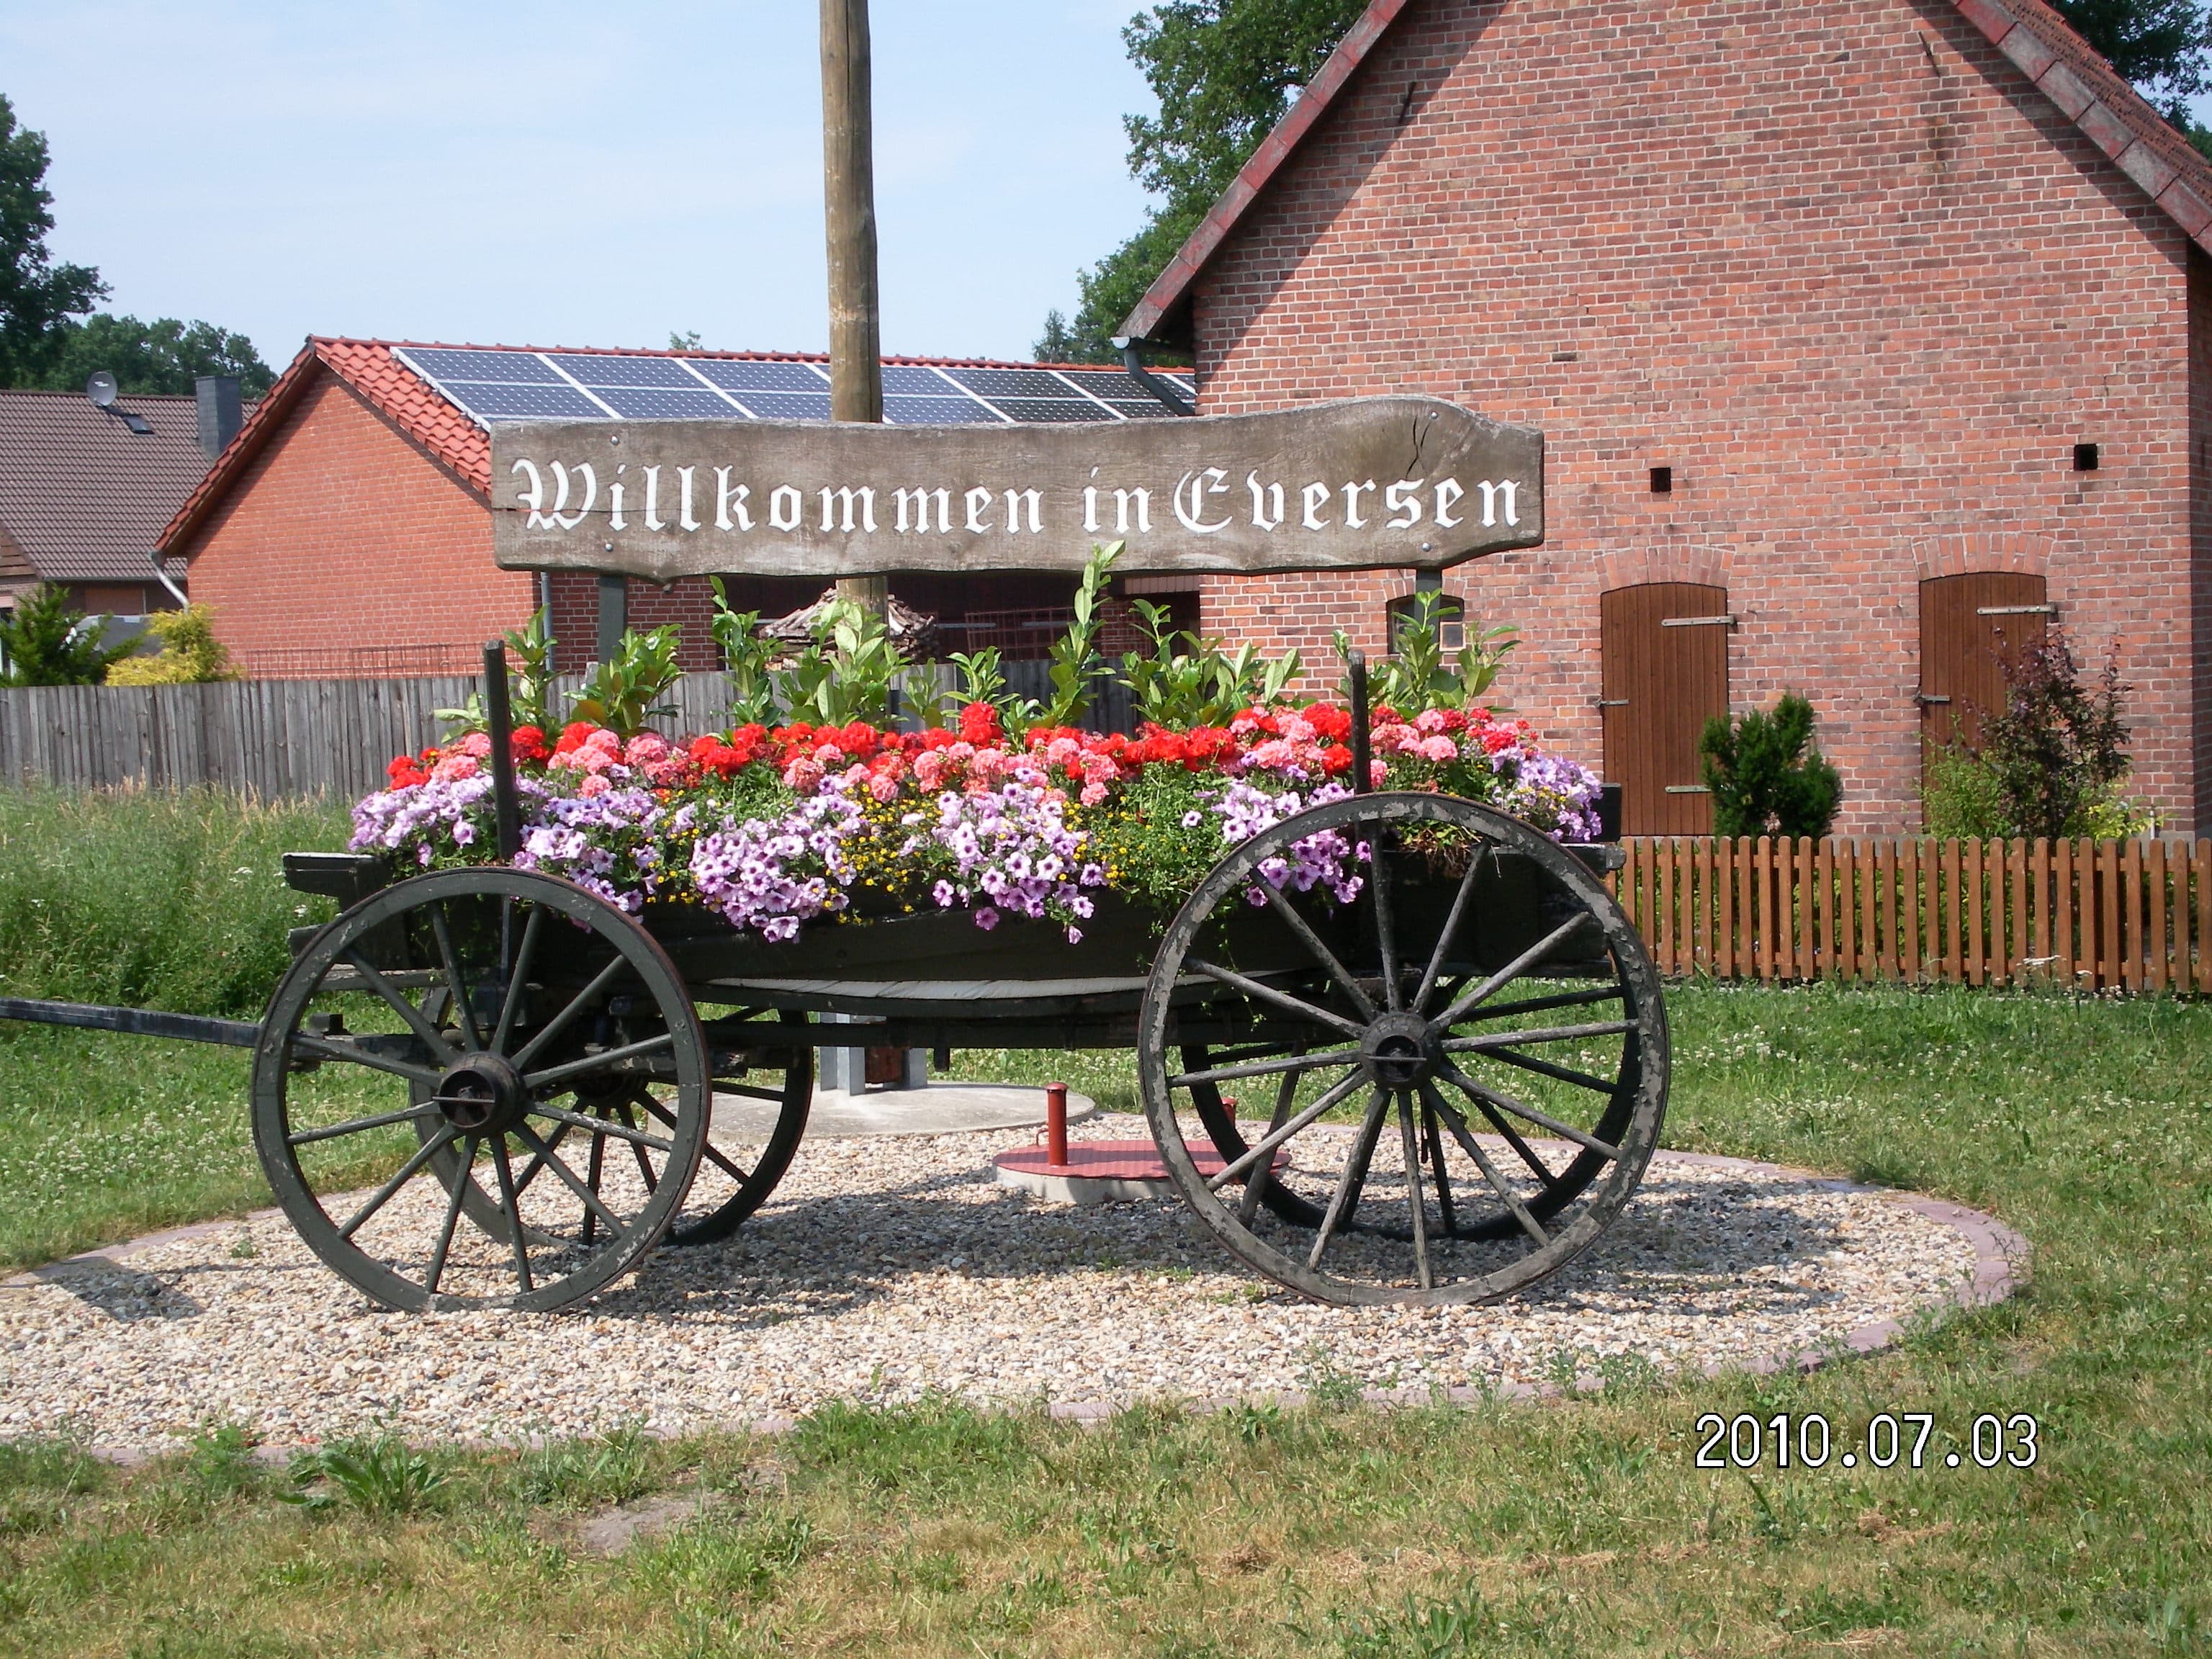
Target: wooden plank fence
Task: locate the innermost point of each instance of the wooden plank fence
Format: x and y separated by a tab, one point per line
284	738
2131	915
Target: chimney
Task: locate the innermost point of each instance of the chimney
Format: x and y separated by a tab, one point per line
221	414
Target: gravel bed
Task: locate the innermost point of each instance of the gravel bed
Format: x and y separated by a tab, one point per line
886	1268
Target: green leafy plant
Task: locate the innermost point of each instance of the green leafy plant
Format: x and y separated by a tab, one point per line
1419	673
1767	776
380	1476
1076	664
621	694
846	672
190	654
983	679
749	659
1188	681
599	1469
529	682
49	641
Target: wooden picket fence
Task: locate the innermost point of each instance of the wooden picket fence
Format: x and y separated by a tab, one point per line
2120	915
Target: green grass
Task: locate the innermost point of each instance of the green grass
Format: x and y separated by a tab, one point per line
1580	1528
1575	1529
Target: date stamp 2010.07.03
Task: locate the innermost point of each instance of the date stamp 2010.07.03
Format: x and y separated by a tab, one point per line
1890	1440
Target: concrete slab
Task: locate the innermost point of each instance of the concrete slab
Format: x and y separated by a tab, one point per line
939	1108
1106	1171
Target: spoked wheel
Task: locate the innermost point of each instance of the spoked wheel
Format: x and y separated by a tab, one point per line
739	1170
1467	1061
491	1043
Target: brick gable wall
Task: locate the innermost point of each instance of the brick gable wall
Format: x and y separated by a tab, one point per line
342	536
1837	264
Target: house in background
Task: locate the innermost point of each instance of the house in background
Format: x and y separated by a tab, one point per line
348	532
84	492
1867	336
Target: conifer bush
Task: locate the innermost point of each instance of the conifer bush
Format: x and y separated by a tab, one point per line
1767	775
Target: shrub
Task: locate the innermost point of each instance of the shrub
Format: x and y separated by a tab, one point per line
190	654
1766	774
2052	761
49	641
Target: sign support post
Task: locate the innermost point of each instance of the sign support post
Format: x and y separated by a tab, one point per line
849	188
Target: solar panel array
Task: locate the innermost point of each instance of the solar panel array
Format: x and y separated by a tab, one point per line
508	385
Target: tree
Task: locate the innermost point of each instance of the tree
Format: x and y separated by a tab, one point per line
1225	72
48	642
164	355
1767	775
2158	44
37	296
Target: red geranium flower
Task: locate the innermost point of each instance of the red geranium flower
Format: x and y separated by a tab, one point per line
527	743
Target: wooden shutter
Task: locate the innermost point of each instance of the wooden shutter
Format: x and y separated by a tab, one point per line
1661	683
1968	625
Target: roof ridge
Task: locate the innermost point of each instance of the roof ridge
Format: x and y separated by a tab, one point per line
895	358
2086	89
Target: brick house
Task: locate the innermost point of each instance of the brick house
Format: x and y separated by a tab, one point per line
348	531
1867	334
84	494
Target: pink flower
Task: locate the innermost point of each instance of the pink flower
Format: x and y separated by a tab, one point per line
453	768
593	785
1439	749
929	770
646	749
1429	722
1062	751
477	744
802	775
1297	728
1378	773
1395	739
1093	794
884	788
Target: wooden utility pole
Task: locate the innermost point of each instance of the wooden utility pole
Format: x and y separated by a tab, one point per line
848	178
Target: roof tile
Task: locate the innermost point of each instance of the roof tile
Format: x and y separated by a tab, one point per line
82	497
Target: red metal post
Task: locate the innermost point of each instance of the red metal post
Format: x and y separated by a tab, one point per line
1056	1124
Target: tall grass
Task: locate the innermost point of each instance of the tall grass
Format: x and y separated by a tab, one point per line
156	899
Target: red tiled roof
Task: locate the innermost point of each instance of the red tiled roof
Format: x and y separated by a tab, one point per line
2064	67
450	436
83	498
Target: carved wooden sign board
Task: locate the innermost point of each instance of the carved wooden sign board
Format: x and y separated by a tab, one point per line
1398	483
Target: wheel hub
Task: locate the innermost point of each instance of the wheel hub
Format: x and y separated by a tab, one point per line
1399	1050
483	1095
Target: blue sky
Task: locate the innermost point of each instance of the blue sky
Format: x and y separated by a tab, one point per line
572	174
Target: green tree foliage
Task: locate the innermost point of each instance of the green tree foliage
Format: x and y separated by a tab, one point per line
190	654
162	357
2158	44
1767	776
38	297
1225	72
49	641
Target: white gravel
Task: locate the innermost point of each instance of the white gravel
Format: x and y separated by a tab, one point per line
888	1267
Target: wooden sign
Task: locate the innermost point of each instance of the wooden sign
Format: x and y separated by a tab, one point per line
1397	483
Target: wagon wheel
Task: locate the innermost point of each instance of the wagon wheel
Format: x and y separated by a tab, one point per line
736	1174
523	1023
1467	1061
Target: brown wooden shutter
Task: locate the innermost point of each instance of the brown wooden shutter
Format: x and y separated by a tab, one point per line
1968	625
1661	684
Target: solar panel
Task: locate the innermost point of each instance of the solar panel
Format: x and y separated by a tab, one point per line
667	404
787	405
947	410
598	369
1105	383
1058	410
742	377
914	380
997	383
515	403
1151	409
497	368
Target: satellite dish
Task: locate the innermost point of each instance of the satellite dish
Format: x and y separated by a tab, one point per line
101	388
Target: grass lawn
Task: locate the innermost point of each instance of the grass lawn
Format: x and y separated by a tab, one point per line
1577	1529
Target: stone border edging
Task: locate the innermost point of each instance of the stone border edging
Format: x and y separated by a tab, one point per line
2001	1269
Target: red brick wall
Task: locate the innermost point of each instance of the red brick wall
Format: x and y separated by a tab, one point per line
342	540
1836	263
